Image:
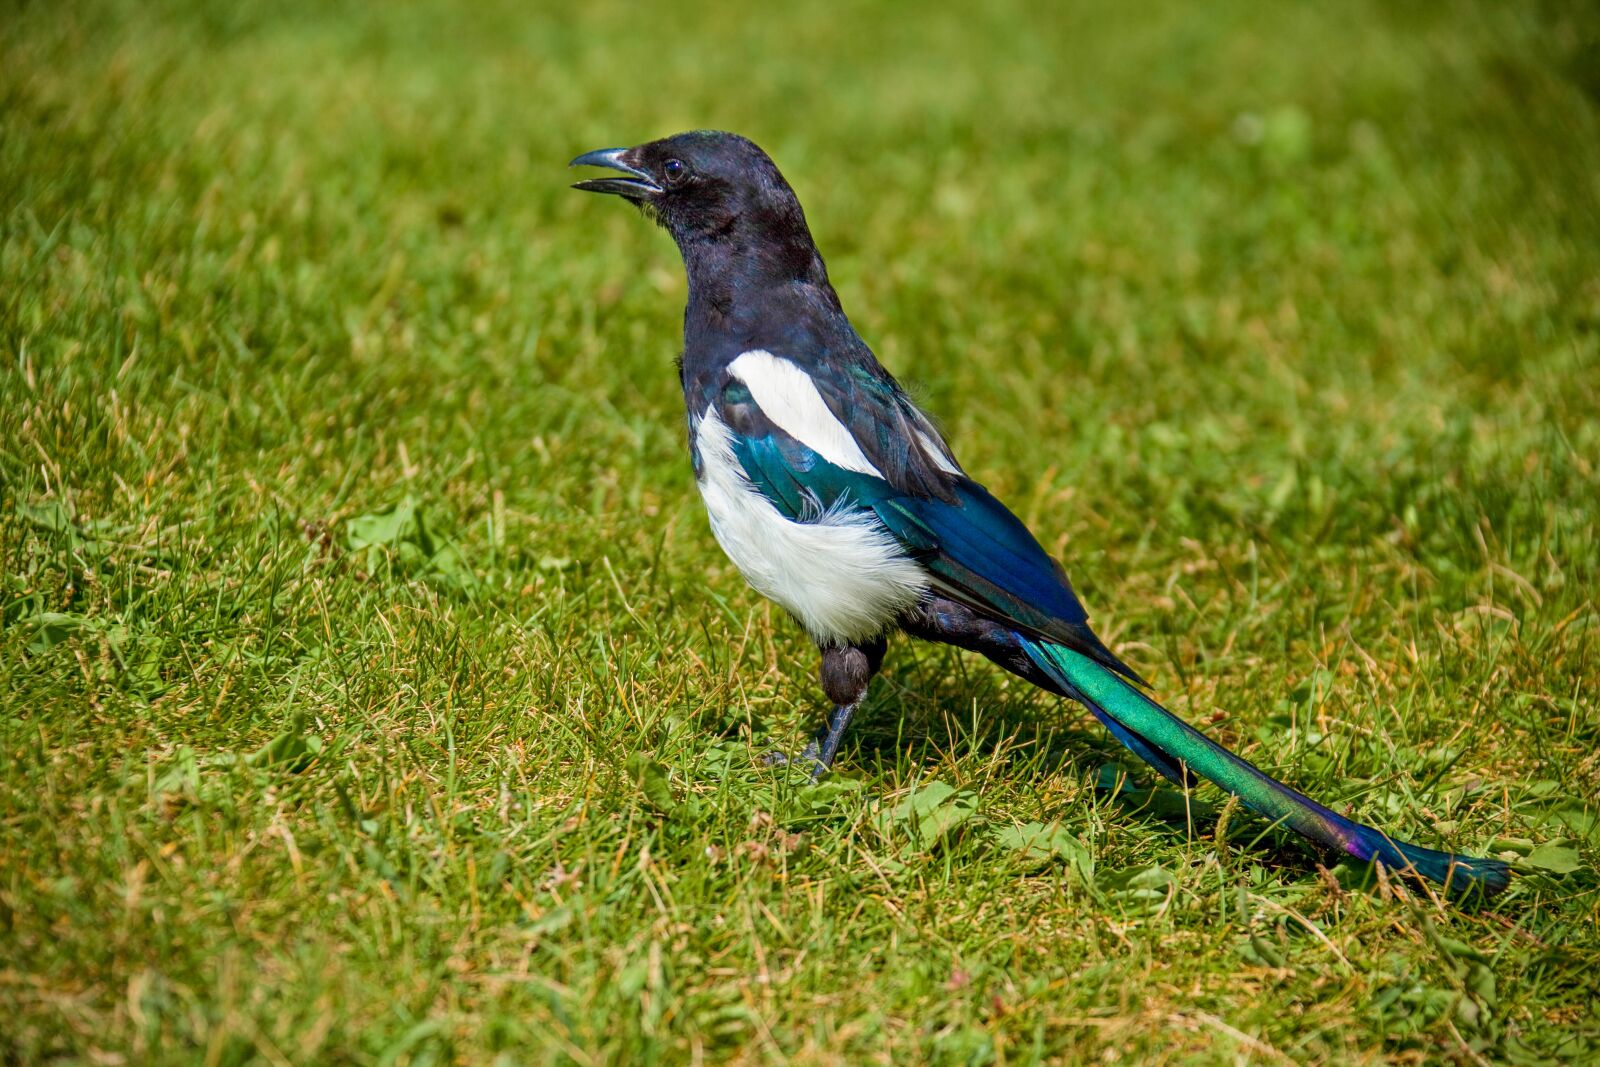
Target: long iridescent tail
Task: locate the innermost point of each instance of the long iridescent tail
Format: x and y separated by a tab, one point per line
1171	745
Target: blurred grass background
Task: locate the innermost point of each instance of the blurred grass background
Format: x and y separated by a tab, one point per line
375	692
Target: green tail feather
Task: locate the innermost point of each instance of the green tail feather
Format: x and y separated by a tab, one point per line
1170	745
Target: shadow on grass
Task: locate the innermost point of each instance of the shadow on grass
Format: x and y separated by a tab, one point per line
935	706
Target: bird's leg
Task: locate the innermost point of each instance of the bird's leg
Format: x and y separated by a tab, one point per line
824	744
846	672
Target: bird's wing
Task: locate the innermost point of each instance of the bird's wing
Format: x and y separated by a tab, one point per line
856	414
807	460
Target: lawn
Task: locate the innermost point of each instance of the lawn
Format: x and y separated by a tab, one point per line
372	690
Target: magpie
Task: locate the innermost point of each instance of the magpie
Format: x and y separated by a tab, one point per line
836	497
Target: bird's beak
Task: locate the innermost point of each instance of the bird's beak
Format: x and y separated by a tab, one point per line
636	185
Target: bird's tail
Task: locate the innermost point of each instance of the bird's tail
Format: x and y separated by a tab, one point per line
1171	745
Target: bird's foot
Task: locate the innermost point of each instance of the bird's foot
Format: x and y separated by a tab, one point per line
810	757
824	746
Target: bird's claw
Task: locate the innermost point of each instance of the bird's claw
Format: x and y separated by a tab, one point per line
809	755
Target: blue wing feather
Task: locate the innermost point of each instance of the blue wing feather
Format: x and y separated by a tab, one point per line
987	559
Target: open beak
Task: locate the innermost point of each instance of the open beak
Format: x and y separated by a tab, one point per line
637	185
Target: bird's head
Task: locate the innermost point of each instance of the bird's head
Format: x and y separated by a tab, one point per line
702	186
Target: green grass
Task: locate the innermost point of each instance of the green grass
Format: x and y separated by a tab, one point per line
373	691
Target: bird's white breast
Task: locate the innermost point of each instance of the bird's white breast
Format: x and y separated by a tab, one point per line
841	573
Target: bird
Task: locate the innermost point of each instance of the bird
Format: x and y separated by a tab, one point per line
840	500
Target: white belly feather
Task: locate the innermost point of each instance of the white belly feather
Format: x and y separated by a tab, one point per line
841	574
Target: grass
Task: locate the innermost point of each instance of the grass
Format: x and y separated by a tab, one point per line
374	691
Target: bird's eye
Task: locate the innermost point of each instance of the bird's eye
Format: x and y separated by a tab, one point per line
675	170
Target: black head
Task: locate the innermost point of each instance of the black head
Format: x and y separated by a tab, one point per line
702	186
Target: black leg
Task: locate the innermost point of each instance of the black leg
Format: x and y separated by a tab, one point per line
847	670
824	745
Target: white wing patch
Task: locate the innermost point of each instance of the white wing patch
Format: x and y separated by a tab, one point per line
933	445
930	446
786	394
842	574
